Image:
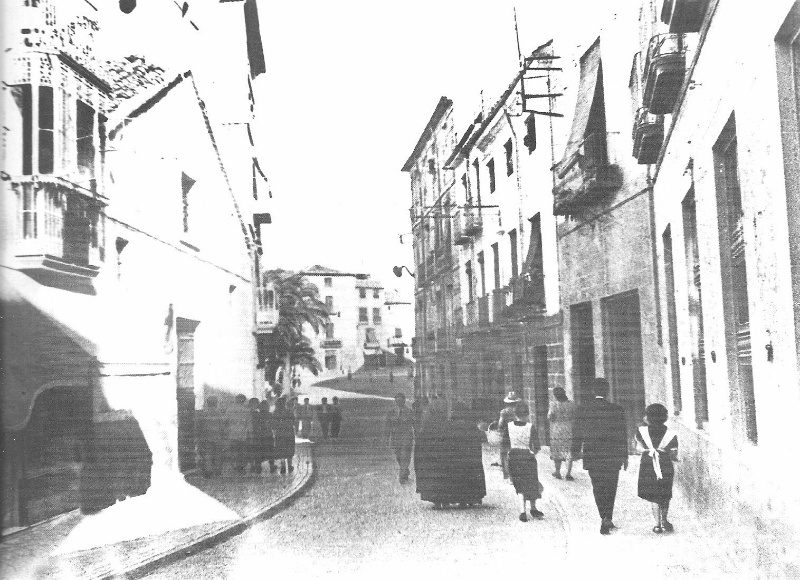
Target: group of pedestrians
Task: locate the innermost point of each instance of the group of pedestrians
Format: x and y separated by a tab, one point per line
328	417
252	432
448	461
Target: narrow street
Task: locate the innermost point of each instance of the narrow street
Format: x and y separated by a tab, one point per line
358	521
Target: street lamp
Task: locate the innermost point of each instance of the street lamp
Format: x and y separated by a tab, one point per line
398	271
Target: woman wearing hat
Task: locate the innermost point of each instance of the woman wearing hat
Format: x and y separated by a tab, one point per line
656	473
506	416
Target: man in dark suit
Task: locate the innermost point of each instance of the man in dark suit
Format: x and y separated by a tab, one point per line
600	438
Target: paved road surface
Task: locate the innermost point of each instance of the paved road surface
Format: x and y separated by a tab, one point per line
357	521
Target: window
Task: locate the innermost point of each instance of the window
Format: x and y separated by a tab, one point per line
376	293
376	316
370	336
362	292
482	267
329	331
477	167
490	168
431	166
470	282
330	360
398	333
329	303
530	136
509	147
512	242
120	245
46	142
328	282
186	185
465	185
23	97
363	315
496	256
85	137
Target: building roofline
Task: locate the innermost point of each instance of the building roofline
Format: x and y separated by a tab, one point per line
441	108
482	123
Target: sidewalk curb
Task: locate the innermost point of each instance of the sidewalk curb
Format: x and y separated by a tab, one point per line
215	537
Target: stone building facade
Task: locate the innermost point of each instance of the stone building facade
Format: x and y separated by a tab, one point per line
120	314
726	190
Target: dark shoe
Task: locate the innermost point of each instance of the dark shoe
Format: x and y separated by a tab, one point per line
291	468
557	475
273	468
668	527
569	478
658	530
523	517
605	527
495	464
283	470
536	513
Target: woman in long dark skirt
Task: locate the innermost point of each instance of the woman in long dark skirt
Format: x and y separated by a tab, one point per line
656	472
464	460
429	456
283	428
522	466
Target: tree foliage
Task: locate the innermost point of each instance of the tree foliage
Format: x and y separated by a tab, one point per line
300	310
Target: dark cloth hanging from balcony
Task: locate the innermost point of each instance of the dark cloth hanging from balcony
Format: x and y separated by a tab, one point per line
533	268
255	50
590	69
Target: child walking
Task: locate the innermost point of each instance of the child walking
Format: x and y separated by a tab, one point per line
522	466
656	473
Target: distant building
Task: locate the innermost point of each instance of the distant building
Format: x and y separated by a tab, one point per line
356	336
399	323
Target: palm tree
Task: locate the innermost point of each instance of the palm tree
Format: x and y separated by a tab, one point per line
299	309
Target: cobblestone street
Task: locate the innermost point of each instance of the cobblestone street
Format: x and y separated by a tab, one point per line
358	521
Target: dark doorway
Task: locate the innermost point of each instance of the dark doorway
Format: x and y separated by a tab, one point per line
541	393
185	393
582	350
623	355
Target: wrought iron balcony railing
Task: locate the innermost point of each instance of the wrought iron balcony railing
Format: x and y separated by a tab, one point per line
647	136
664	71
588	175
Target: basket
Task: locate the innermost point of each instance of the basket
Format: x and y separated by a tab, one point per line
494	437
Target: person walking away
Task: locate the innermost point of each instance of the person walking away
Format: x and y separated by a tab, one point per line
291	408
658	444
241	431
399	431
267	437
600	438
506	417
561	416
283	429
522	466
430	457
336	418
324	417
464	460
212	438
304	415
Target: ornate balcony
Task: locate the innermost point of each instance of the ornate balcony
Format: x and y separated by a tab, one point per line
684	15
585	177
267	309
648	135
664	71
473	222
59	237
331	343
460	237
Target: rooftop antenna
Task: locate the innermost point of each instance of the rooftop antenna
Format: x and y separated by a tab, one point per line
516	31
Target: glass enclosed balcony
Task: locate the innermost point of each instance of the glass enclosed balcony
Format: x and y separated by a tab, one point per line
647	136
664	71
